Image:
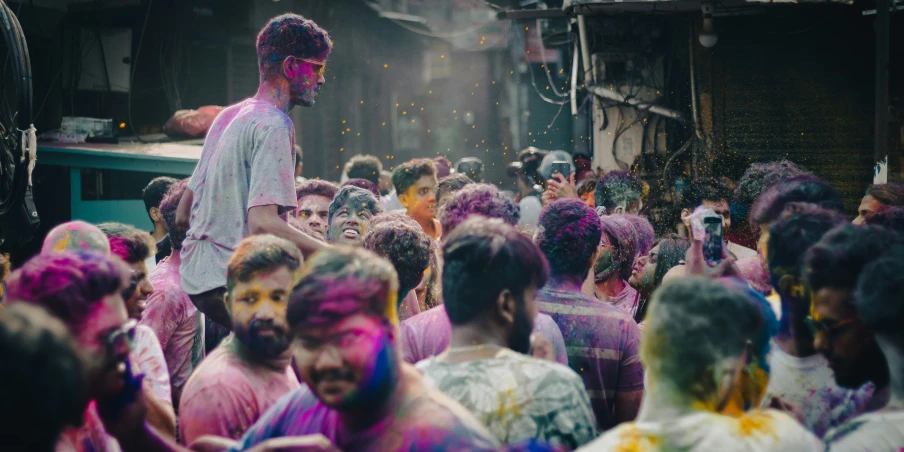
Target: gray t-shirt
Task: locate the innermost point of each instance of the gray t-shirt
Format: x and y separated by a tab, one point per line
248	160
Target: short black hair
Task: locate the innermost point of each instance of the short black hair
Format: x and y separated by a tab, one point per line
350	191
799	227
260	253
764	175
804	188
155	191
569	234
408	173
403	242
471	167
878	295
128	242
451	184
365	167
891	218
42	379
168	208
707	189
887	194
482	258
837	260
316	187
615	188
289	35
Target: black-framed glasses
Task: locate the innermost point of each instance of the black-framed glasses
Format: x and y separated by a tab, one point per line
817	326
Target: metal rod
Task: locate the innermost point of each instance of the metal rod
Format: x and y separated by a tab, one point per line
574	82
585	50
662	111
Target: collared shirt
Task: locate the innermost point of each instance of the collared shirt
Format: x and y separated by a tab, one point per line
602	344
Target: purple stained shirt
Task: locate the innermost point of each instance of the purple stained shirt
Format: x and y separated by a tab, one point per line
176	322
248	161
430	422
428	334
626	300
602	344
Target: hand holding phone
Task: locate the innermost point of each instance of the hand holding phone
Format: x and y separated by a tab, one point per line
713	240
561	167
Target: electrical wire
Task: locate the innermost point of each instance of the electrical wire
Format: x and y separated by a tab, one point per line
451	35
144	27
546	64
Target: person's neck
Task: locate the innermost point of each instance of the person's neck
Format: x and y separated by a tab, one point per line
276	93
794	338
407	388
611	287
280	363
472	334
661	403
565	282
426	224
894	355
159	232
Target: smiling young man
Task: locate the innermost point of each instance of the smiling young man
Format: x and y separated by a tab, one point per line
349	216
245	178
250	370
415	184
359	393
314	198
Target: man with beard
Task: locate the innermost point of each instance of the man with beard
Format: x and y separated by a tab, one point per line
415	183
249	371
490	277
84	291
176	322
350	214
314	197
136	247
831	269
360	394
245	178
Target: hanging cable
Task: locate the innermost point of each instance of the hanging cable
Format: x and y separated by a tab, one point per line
144	27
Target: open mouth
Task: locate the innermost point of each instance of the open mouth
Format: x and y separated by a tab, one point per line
350	233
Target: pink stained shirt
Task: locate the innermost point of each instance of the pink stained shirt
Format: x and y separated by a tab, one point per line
428	334
226	394
147	359
91	436
176	322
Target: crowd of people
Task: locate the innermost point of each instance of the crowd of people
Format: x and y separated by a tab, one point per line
423	310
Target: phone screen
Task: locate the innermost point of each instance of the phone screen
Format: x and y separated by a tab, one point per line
563	168
712	244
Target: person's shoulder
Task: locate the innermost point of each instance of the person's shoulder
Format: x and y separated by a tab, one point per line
785	432
866	431
265	114
428	317
439	421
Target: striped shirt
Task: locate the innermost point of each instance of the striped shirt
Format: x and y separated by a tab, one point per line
602	344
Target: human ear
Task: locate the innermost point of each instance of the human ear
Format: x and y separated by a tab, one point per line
506	306
290	67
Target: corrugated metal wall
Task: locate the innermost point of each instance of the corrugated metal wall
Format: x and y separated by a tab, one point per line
797	84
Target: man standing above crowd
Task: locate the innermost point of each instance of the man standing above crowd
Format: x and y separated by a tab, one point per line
602	341
415	184
250	370
360	394
245	177
492	273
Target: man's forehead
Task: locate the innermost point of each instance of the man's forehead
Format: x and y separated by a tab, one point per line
357	320
313	200
428	180
359	201
716	205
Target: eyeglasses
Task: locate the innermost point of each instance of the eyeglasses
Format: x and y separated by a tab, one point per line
122	336
318	66
817	326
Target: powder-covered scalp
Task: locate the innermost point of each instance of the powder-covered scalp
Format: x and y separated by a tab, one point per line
356	195
569	234
763	175
623	236
408	173
76	236
128	242
68	283
477	199
403	242
804	188
316	187
644	234
260	254
168	207
340	281
617	188
290	35
836	261
693	325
